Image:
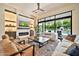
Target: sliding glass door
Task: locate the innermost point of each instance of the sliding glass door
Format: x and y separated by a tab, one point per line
43	27
59	21
65	24
40	27
50	26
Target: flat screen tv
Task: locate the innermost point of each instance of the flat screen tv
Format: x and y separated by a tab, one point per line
23	24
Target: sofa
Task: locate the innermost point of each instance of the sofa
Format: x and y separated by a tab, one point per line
53	36
63	46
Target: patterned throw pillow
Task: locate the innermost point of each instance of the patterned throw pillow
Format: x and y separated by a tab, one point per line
71	37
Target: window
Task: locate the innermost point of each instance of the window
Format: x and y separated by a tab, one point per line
63	15
50	26
40	27
54	23
43	27
65	24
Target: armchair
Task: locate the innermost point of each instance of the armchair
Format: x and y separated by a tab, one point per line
9	48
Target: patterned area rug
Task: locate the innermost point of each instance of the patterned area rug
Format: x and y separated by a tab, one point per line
47	50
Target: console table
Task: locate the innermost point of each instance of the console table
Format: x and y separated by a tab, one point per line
21	42
21	51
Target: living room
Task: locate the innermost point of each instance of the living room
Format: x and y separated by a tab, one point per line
41	29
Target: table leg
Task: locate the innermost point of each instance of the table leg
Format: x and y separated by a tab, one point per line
39	45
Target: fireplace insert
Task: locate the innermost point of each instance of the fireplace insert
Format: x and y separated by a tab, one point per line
23	33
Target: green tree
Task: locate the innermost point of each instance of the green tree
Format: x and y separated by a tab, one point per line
58	24
52	26
66	23
48	26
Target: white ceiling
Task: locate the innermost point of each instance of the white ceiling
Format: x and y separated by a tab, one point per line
29	7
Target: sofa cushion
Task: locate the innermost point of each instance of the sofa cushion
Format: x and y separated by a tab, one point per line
62	47
66	43
51	35
47	33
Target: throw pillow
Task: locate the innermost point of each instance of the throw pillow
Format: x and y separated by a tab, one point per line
73	50
71	37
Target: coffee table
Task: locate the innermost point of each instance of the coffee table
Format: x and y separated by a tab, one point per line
42	41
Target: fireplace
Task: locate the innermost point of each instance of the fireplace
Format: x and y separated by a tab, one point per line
23	33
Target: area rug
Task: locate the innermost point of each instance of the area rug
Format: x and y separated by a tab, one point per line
47	50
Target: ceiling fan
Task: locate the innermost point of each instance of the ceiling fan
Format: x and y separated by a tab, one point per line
38	8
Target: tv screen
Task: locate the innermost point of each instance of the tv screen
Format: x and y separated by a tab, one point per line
23	21
23	24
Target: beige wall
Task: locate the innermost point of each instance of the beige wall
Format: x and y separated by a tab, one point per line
64	8
1	22
18	10
75	21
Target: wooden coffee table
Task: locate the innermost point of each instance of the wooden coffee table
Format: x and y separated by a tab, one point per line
41	41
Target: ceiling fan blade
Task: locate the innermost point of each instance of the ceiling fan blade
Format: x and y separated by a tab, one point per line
38	4
41	10
38	9
35	11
